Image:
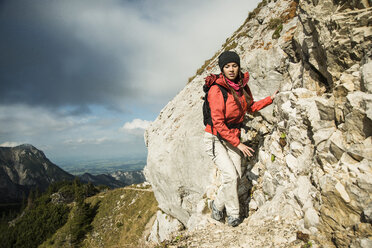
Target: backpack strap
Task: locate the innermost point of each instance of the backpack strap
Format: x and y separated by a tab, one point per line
224	94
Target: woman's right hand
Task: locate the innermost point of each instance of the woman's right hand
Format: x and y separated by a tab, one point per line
274	95
246	150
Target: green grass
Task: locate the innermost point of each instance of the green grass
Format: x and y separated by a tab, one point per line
272	157
231	46
274	23
203	67
307	245
257	10
175	242
277	31
122	217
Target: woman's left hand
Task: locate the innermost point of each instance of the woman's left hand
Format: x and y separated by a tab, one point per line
273	96
246	150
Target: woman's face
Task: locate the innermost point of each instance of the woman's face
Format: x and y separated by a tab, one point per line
231	70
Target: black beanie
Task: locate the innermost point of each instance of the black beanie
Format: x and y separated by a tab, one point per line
228	57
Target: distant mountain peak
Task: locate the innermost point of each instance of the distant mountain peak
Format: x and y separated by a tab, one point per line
26	146
24	167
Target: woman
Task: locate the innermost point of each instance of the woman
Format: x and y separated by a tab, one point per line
222	139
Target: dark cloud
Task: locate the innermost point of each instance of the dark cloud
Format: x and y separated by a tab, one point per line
72	72
43	63
112	53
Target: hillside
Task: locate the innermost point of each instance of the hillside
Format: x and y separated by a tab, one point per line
74	214
309	183
120	219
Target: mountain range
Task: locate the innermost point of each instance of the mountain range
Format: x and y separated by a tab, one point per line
24	167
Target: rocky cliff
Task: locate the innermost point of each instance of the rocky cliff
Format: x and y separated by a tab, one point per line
310	179
116	179
25	167
101	179
129	177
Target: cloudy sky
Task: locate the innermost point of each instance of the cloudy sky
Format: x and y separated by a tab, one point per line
84	78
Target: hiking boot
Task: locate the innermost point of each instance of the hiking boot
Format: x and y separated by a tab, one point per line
216	214
232	221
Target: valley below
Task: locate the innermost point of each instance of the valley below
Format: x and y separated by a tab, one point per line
101	166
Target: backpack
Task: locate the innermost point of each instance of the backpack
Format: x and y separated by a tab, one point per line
209	82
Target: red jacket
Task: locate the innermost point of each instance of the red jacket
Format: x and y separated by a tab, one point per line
229	112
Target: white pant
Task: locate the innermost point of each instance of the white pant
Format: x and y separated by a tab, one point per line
228	160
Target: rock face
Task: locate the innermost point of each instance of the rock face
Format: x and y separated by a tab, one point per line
163	227
319	181
102	179
25	167
116	179
129	177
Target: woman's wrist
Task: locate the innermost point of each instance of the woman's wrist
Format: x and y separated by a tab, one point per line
273	96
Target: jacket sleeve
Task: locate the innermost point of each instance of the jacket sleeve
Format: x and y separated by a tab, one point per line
256	106
218	111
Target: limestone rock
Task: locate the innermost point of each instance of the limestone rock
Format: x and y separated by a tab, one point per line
337	146
341	190
163	228
302	191
367	77
311	218
320	182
